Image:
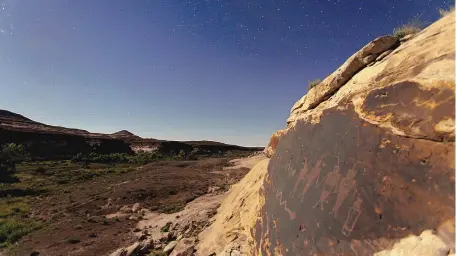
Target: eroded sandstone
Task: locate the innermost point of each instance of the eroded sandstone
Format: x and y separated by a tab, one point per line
366	166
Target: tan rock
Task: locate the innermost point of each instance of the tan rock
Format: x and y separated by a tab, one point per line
119	252
406	38
132	249
270	148
184	247
426	244
427	59
170	247
135	207
338	78
366	166
236	216
383	55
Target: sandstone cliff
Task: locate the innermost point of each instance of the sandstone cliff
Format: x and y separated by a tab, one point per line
365	165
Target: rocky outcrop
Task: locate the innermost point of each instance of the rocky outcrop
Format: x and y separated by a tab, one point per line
366	163
333	82
270	148
423	64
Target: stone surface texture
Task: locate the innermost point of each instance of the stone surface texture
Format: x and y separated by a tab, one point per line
236	217
366	163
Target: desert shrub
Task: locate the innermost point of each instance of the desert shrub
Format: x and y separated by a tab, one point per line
7	165
140	158
166	227
13	207
412	27
40	170
181	155
97	158
313	83
12	230
14	151
145	158
445	11
7	170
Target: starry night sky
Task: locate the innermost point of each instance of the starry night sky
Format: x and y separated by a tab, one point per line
183	70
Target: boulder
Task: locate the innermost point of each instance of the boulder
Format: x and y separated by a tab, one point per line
119	252
170	247
366	164
125	209
383	55
338	78
184	247
132	249
270	148
135	207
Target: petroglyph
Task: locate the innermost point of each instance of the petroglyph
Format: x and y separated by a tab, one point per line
344	191
301	176
329	185
283	203
346	185
312	177
353	214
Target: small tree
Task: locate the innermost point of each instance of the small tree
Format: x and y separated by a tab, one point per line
7	165
181	154
15	152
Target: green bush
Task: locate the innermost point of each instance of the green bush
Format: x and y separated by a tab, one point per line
12	230
139	158
97	158
166	227
314	83
8	154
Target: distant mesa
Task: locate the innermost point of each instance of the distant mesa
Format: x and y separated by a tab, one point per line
5	114
123	133
55	142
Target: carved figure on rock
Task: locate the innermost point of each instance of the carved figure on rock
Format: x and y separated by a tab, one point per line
346	185
329	185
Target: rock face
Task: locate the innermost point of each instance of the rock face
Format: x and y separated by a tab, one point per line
337	79
184	247
236	217
366	163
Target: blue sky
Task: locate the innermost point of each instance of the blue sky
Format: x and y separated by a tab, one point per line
182	70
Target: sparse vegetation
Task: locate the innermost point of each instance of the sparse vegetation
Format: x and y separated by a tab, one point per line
445	11
26	180
165	228
12	229
314	83
10	154
140	158
414	26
